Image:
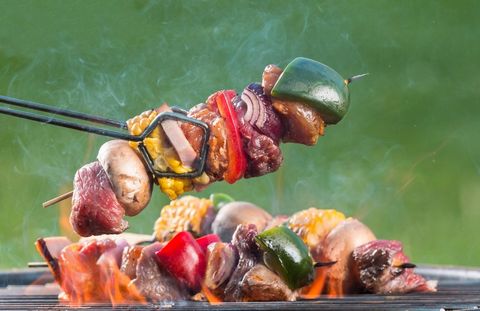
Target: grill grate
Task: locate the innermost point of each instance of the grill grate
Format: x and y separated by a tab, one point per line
459	289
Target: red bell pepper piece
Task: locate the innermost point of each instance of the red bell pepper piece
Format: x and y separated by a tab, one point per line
206	240
184	259
237	162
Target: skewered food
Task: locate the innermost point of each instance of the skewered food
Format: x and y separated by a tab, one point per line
107	189
338	246
273	263
382	267
127	175
238	213
154	282
291	105
187	213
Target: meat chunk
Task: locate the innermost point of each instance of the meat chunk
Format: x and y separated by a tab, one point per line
382	268
50	249
261	284
95	208
153	282
270	75
222	258
217	160
303	124
337	247
248	252
130	258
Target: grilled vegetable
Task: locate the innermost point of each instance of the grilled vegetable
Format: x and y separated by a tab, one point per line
206	240
236	157
164	155
287	255
185	214
220	199
184	259
313	224
308	81
127	175
238	213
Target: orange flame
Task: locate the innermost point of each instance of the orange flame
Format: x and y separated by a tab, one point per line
212	298
89	275
315	290
323	284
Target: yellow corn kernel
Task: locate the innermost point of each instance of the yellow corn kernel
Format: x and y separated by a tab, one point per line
136	129
186	213
164	156
202	179
144	123
178	186
313	224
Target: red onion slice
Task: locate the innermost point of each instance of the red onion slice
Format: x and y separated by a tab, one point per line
177	138
255	100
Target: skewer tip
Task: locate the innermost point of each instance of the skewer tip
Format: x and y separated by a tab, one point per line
324	264
356	77
406	265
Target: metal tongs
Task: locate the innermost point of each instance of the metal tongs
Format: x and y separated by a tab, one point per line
177	114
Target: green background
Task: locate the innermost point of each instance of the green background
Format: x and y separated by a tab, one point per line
405	160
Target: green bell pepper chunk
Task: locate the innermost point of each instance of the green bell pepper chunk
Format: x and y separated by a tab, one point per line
286	255
308	81
220	199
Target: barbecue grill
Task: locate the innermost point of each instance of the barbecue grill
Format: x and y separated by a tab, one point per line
459	289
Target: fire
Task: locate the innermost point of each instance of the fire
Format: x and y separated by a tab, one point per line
212	299
323	285
90	274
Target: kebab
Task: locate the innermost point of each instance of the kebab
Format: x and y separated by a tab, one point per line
255	263
229	137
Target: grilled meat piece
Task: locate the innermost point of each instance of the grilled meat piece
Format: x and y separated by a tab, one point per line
153	282
95	208
261	284
303	124
217	160
248	252
270	75
380	268
130	258
337	247
222	260
50	249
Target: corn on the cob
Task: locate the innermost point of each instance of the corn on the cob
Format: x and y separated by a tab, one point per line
184	214
313	224
163	155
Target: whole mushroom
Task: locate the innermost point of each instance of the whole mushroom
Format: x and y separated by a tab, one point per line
127	174
338	247
238	213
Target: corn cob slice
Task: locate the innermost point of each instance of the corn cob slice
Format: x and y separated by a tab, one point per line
163	155
188	213
313	224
